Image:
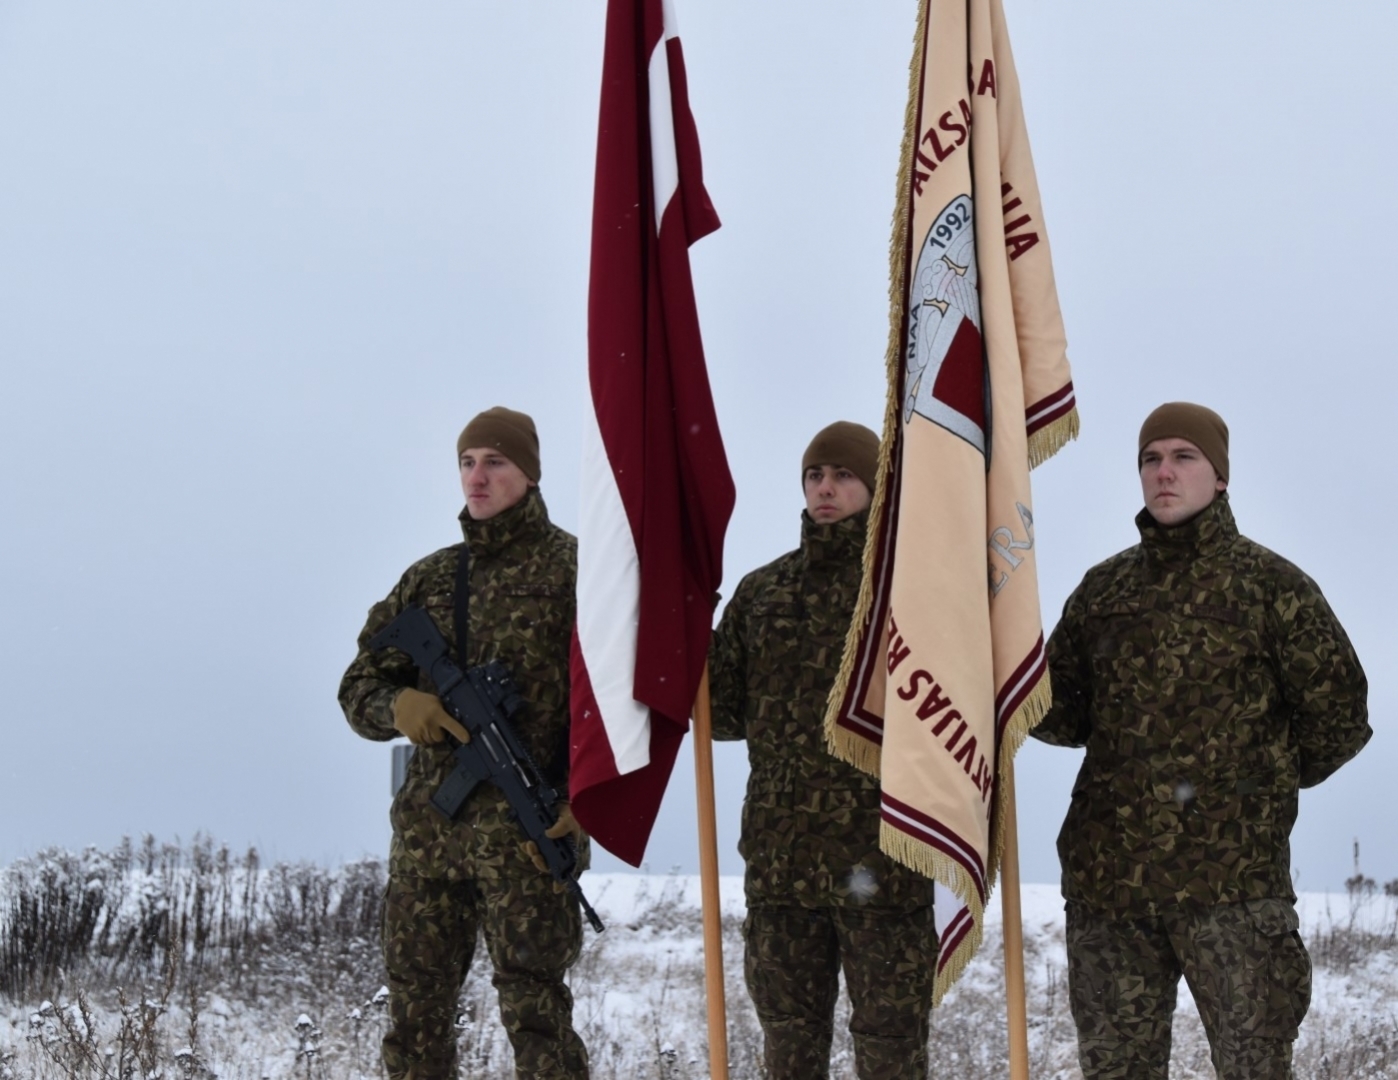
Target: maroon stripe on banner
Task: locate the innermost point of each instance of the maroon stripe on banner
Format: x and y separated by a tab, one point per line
1020	684
932	832
864	724
1049	409
952	937
1053	401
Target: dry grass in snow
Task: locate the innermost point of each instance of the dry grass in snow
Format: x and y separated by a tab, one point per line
185	961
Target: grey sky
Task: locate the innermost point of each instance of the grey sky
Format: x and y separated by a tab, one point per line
259	261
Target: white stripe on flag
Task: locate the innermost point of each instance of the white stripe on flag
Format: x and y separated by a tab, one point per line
609	603
664	164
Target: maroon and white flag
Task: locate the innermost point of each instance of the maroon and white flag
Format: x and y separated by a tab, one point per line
656	490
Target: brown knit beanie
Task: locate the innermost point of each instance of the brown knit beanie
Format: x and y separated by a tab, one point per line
510	432
1183	420
842	443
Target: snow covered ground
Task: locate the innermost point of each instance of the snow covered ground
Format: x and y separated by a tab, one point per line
1351	1031
284	1005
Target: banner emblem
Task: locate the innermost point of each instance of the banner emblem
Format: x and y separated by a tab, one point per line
947	378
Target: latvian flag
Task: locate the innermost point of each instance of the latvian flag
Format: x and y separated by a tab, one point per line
656	490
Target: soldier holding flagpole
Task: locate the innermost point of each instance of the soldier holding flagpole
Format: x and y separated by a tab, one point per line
944	671
821	897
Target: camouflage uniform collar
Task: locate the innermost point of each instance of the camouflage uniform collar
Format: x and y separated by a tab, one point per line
526	520
841	542
1209	531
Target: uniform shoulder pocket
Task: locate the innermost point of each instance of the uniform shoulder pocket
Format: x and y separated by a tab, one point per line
1218	613
1107	609
533	589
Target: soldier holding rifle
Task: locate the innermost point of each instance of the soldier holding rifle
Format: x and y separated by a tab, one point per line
450	878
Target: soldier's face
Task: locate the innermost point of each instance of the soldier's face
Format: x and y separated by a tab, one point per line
491	482
1177	480
833	493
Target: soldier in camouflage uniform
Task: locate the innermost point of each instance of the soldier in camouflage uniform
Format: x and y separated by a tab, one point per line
449	880
1208	680
821	896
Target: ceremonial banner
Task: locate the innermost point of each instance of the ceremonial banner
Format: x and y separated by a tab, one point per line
656	490
944	671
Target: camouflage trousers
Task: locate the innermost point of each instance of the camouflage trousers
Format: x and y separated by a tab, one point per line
1244	962
792	961
532	934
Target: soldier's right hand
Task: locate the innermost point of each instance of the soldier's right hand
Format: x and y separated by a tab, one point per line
422	719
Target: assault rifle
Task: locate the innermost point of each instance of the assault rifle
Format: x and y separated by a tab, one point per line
483	699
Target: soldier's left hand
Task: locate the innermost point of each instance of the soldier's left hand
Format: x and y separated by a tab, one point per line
536	856
540	863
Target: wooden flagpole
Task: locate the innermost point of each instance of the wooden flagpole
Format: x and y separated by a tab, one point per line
1014	936
708	876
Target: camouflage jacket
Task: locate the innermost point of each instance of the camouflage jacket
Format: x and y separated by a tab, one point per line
523	571
810	833
1209	680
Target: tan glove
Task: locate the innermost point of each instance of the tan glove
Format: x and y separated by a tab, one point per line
537	858
566	825
422	719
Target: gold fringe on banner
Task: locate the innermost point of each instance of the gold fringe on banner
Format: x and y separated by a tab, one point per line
861	753
1051	438
1033	709
930	862
858	752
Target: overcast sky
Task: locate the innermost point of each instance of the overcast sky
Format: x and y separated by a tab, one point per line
260	260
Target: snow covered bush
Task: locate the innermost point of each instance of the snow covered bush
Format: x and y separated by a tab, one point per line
185	961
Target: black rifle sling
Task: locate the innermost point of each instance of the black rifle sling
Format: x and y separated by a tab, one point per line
462	598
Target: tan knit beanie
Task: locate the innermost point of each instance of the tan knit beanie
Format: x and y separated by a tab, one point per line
842	443
1183	420
510	432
